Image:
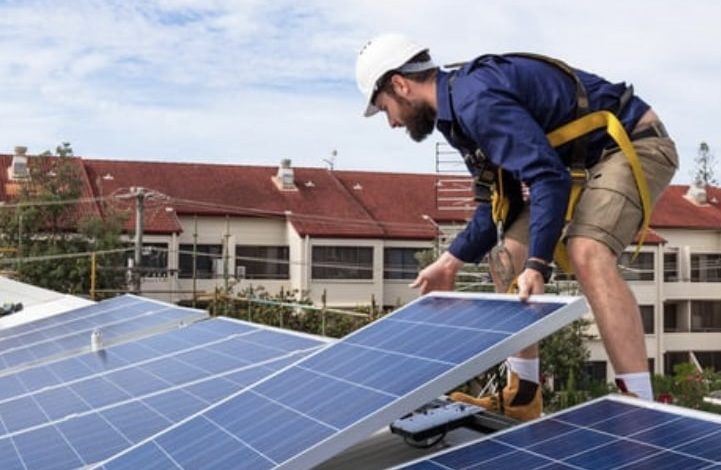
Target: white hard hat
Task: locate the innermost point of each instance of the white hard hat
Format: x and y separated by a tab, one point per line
390	51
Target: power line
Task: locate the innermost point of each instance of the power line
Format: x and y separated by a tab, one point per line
29	259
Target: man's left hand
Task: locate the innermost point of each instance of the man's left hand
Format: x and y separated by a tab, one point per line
530	282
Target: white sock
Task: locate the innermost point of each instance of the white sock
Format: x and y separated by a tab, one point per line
638	383
526	369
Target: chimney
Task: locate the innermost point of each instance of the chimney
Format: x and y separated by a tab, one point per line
284	178
19	168
696	193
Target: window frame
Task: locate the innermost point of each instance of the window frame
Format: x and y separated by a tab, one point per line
638	271
337	261
204	267
264	267
402	272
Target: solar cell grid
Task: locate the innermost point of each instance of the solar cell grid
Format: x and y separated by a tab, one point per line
136	389
69	333
56	322
609	433
318	406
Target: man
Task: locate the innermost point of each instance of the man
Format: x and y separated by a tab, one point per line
501	113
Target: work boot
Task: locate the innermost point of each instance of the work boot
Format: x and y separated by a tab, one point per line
522	400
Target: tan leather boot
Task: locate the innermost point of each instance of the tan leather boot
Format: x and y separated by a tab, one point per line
530	396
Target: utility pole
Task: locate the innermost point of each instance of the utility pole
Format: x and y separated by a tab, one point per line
20	238
195	256
226	265
139	203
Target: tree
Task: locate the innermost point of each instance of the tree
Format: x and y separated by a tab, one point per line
688	387
704	174
48	222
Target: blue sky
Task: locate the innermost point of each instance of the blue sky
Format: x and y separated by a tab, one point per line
252	82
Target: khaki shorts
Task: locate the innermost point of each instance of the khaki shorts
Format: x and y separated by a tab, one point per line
609	210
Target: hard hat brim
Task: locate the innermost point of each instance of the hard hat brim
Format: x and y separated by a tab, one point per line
371	109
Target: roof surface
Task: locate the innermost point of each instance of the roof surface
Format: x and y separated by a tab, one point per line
37	302
323	203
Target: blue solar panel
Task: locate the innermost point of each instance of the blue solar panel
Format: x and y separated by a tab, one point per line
320	405
118	319
80	410
611	432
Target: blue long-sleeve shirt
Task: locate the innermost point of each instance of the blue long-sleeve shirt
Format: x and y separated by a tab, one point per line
506	105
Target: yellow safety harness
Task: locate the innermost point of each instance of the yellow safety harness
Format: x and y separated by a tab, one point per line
563	135
576	131
615	129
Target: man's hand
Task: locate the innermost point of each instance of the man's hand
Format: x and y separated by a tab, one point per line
530	282
440	275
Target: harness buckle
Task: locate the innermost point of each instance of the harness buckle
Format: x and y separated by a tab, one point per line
476	158
484	185
579	175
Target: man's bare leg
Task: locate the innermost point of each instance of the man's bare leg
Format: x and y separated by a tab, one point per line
615	310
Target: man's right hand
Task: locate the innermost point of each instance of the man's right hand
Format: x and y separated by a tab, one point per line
440	275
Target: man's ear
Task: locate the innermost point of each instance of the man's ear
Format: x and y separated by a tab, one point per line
400	85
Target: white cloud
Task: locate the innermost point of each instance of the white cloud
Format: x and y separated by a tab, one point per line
254	81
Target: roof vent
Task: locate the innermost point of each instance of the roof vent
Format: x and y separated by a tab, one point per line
357	186
284	178
697	194
19	168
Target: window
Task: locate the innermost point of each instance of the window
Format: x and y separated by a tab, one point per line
647	318
596	371
705	268
709	359
670	267
651	365
154	259
262	262
641	269
342	262
670	317
705	316
671	359
400	263
207	258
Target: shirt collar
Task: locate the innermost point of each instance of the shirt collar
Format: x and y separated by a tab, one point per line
443	97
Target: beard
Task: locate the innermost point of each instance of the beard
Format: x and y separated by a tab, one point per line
419	119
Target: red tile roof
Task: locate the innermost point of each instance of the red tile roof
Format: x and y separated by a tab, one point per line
674	210
324	204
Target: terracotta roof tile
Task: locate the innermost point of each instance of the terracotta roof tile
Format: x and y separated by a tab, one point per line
674	210
324	204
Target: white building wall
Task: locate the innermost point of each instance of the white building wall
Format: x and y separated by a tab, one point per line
276	232
354	292
684	243
298	259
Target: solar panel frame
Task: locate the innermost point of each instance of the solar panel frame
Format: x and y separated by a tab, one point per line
570	308
585	432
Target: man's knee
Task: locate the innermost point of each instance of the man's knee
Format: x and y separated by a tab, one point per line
588	256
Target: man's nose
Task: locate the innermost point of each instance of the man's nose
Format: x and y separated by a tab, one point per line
393	122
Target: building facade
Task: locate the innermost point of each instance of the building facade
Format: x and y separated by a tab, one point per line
350	238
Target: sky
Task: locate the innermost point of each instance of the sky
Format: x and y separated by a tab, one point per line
252	82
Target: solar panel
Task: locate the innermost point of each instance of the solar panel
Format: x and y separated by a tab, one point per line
118	319
313	409
610	432
79	410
